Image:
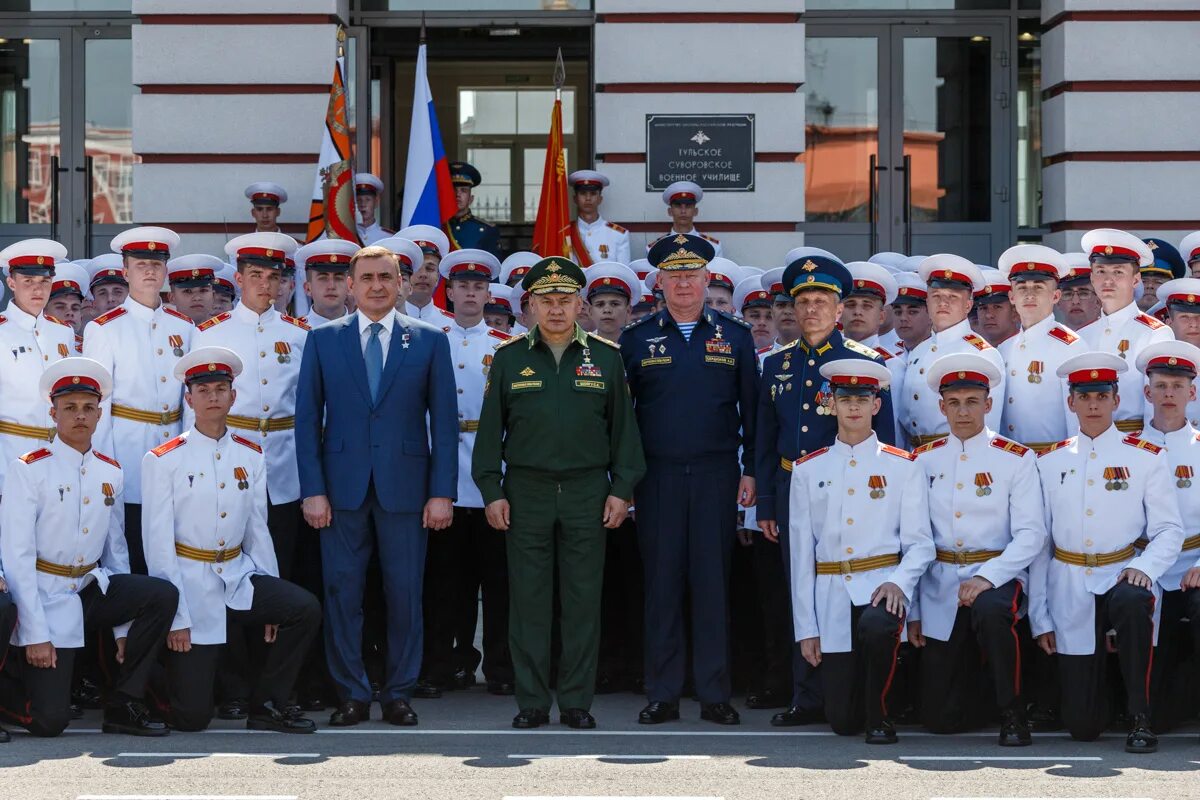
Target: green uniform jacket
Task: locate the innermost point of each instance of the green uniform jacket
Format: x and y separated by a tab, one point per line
557	418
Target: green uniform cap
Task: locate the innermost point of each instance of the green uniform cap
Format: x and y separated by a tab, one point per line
554	275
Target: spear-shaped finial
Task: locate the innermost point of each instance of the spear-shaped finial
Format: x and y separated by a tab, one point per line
422	40
560	75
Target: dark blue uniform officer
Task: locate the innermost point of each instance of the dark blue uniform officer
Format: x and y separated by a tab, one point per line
693	376
794	419
466	230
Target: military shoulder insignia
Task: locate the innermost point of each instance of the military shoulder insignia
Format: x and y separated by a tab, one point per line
811	456
510	341
1063	334
299	323
862	349
977	341
36	455
712	239
106	459
1141	444
166	447
762	350
495	334
217	320
109	316
935	444
78	343
608	342
246	443
446	313
1009	446
898	452
56	319
616	227
1056	446
178	315
1150	322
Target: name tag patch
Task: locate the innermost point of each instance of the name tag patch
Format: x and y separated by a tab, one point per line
517	386
728	361
589	384
656	361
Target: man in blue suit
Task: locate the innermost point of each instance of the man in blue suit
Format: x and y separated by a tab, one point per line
374	474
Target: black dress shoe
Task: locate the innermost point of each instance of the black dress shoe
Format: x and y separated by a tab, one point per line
134	718
87	694
233	709
792	716
767	698
287	720
504	688
577	718
427	690
1043	719
720	713
399	712
884	733
531	718
463	679
1141	739
351	712
658	712
1014	729
5	736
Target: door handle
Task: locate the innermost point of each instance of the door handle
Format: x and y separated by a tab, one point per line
907	170
89	205
54	197
873	201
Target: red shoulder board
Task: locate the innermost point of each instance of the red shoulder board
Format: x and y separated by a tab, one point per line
925	448
887	354
1055	446
109	316
1150	322
896	451
299	323
446	313
36	455
712	239
1142	444
811	456
167	447
106	459
175	313
217	320
55	319
501	335
1064	334
762	350
246	442
977	341
616	227
1009	446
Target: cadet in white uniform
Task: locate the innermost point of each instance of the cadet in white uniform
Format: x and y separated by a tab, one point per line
683	203
995	318
425	275
1035	408
191	278
326	265
1170	369
753	304
910	312
860	541
368	194
513	268
592	238
138	342
67	566
265	200
1102	490
224	289
498	310
108	286
952	282
30	343
1181	297
67	292
1122	328
988	527
205	494
610	291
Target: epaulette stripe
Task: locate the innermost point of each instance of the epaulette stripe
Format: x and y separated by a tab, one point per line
109	316
256	448
1056	446
616	227
35	455
1064	335
896	451
178	314
977	341
599	338
1142	444
811	456
1150	322
217	320
1009	446
167	447
106	459
55	319
925	448
510	341
297	322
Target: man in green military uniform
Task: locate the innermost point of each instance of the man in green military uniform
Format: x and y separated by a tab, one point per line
557	415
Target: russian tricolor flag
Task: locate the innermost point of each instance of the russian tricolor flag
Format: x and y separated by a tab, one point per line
428	193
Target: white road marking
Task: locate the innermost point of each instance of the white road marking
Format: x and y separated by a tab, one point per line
1056	759
218	755
613	757
186	797
607	797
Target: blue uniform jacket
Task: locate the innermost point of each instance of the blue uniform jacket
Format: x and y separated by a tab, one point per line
343	441
694	400
470	232
793	410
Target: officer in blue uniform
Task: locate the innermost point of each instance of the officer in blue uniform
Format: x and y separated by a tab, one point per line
794	419
693	375
465	229
1168	264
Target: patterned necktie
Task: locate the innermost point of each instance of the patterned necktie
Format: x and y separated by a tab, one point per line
373	357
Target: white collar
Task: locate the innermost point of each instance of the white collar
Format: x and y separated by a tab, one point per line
388	321
244	313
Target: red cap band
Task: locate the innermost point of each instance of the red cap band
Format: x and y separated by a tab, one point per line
1033	266
1113	250
964	375
184	274
153	247
854	380
31	261
611	282
869	286
211	368
58	286
682	196
912	291
1174	362
75	383
262	252
264	196
1093	376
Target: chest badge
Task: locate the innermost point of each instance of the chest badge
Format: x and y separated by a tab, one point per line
587	369
718	344
1183	476
983	484
176	343
1116	479
63	351
877	483
1035	371
107	490
406	340
283	352
525	373
604	251
242	478
1122	347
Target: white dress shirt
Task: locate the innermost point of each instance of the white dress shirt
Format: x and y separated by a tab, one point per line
428	313
604	240
385	335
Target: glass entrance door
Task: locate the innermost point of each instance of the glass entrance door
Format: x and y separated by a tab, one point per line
66	147
908	143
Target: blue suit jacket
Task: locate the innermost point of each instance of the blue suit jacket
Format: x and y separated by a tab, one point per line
343	441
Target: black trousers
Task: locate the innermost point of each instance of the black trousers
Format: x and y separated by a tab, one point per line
621	602
8	621
1129	610
133	538
190	675
1171	684
775	603
983	643
857	683
39	699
